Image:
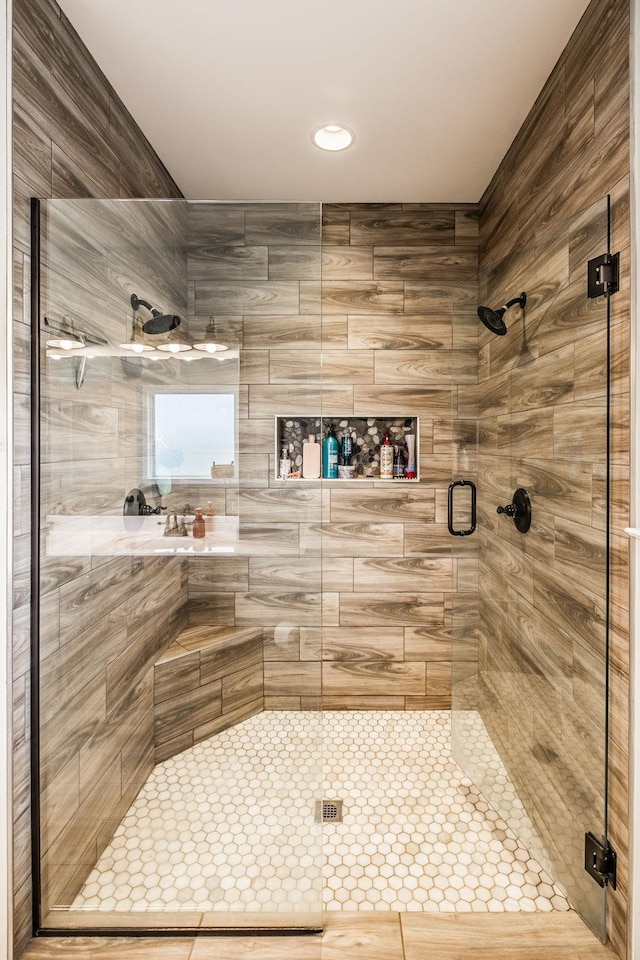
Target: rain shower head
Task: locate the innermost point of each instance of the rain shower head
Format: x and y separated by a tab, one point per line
160	322
493	319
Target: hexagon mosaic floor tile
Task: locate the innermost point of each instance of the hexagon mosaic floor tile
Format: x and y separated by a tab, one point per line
229	825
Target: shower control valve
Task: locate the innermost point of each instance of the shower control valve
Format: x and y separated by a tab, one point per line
519	510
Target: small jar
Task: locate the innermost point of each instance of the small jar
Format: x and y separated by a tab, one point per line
198	525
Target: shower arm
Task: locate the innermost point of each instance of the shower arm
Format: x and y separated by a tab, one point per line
521	300
136	302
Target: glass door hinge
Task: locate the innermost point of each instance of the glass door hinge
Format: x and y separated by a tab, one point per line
600	860
603	275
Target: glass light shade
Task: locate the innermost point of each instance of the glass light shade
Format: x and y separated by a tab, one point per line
333	137
209	346
59	343
135	346
174	347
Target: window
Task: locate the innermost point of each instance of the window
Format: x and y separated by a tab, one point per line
192	435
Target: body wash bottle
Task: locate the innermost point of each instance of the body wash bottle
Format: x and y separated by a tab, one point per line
330	455
311	459
386	458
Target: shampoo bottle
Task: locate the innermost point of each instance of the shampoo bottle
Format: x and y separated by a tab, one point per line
311	459
386	458
330	455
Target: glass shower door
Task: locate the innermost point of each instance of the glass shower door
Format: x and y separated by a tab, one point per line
530	709
177	773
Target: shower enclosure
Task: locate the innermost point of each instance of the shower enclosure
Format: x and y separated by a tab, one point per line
162	659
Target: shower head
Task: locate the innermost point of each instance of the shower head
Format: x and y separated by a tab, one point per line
160	322
493	319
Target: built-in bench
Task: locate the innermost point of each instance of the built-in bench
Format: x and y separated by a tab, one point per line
208	679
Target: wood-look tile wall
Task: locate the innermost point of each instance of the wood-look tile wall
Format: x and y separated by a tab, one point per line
73	137
542	426
352	582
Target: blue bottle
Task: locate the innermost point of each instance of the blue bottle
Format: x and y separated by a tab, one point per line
330	455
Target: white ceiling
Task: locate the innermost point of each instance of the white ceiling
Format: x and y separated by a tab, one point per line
228	91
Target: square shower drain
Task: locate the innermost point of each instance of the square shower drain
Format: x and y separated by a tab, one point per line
328	811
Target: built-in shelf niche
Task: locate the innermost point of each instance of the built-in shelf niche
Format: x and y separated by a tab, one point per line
367	434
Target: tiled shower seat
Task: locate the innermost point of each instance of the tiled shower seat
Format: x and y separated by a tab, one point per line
208	679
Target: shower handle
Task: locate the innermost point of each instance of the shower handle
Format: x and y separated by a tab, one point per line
519	510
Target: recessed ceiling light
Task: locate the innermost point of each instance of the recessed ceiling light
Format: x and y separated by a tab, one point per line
333	136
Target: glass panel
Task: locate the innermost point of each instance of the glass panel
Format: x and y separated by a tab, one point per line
529	720
180	730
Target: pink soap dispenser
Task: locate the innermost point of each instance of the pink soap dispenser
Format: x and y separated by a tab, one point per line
198	526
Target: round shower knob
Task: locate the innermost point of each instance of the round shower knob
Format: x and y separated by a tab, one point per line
519	510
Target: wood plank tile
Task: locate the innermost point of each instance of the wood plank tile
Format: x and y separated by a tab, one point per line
385	227
361	938
304	574
466	227
580	430
372	677
294	262
454	936
241	689
346	262
270	608
273	401
363	643
413	366
216	663
362	297
285	679
104	948
335	224
352	539
520	433
363	703
395	610
288	332
439	679
213	224
447	263
429	297
231	262
428	644
282	503
395	400
257	948
387	505
561	487
176	677
400	333
278	223
353	366
231	298
394	574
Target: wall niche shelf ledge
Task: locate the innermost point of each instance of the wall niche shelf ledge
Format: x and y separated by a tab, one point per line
367	434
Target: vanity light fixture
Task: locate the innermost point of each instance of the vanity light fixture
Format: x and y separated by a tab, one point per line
74	339
333	137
